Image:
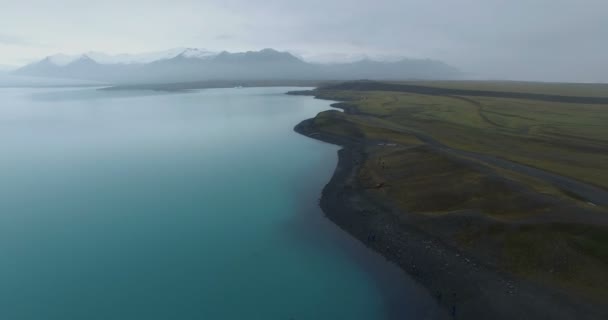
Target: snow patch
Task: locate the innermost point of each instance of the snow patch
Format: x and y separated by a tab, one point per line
141	58
126	58
194	53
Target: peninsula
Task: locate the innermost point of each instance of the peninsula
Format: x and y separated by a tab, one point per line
493	195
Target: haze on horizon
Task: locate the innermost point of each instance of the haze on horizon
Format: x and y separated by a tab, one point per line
547	40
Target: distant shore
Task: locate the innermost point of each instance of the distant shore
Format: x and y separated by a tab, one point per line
185	86
466	288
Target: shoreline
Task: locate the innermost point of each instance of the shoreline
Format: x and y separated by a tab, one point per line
464	287
402	296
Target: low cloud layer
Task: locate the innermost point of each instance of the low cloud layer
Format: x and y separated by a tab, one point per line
551	40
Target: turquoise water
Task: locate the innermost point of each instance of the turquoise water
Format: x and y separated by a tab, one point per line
194	205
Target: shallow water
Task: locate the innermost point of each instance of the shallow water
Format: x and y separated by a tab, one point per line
194	205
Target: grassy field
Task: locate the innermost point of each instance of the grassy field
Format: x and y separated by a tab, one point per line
519	223
567	89
569	139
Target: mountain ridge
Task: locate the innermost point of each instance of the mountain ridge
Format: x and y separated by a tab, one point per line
192	64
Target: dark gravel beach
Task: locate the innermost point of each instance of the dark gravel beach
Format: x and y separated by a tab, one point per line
465	287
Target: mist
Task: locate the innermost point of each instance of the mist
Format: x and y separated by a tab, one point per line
545	40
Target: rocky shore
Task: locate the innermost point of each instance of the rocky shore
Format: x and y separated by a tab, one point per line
465	287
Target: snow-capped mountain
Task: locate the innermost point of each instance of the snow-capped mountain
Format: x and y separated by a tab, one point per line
142	58
191	64
125	58
193	53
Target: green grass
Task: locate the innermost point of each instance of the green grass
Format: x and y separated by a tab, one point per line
574	256
511	226
568	139
564	89
426	182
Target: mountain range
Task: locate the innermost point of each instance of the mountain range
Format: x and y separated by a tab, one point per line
190	64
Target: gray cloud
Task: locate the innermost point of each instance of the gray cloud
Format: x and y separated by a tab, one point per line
13	40
225	37
555	40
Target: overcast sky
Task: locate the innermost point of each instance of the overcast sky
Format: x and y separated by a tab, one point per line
555	40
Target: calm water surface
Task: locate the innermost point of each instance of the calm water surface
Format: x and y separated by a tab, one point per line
195	205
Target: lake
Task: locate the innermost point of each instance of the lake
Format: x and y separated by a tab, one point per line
185	205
